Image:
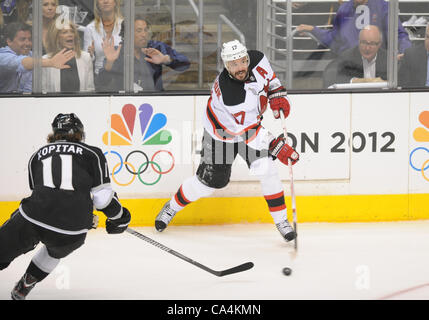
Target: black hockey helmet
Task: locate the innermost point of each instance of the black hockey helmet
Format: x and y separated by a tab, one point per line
67	123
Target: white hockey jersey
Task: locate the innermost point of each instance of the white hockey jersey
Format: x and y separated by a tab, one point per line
234	110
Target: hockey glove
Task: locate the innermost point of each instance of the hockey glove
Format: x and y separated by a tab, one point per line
279	101
119	225
280	149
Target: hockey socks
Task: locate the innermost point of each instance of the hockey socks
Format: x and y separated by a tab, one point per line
277	206
42	264
272	189
40	267
191	190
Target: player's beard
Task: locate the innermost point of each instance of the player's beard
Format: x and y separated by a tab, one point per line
241	75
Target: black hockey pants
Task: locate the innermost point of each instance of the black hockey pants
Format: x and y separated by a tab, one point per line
19	236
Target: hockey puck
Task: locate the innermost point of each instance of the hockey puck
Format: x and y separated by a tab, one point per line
287	271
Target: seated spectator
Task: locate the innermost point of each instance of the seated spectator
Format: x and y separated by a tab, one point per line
366	62
16	62
149	58
414	68
353	16
106	25
79	77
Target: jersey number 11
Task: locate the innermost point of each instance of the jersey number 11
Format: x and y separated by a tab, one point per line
66	172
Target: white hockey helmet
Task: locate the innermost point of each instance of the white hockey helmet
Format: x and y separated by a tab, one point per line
233	50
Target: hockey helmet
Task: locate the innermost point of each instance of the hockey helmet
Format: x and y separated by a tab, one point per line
67	123
233	50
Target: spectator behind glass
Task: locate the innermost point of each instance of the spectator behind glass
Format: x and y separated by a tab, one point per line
13	11
106	25
14	76
414	68
16	62
79	77
49	14
366	62
353	16
149	57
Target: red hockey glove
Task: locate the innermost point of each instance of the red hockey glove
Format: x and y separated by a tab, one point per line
280	149
279	101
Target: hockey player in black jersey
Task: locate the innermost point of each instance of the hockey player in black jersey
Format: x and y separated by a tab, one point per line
67	178
232	125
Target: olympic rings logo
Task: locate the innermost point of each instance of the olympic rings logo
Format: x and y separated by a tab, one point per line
425	164
139	169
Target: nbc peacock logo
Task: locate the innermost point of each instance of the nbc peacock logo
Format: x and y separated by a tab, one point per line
421	134
123	131
419	157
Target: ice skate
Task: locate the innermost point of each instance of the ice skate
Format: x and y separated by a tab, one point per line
23	287
164	217
286	230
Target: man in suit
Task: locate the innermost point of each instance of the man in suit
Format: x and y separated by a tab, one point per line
414	69
366	62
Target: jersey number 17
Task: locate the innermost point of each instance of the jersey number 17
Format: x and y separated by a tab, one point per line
240	115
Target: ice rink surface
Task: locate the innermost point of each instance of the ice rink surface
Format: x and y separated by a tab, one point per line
346	261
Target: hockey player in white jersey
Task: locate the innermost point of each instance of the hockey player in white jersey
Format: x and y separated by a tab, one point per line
232	124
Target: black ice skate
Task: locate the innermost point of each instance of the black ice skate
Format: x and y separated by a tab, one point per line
164	217
286	230
23	287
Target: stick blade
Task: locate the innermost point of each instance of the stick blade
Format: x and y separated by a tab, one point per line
242	267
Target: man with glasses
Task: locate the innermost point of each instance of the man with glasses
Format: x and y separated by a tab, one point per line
414	68
366	62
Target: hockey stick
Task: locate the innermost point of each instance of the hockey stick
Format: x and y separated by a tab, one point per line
292	190
240	268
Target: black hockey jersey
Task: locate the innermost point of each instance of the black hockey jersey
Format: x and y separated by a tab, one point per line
62	175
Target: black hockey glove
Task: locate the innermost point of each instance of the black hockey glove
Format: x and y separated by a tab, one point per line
119	225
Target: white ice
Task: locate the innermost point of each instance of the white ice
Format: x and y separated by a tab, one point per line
388	260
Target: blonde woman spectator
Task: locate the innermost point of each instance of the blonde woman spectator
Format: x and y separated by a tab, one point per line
79	77
49	14
106	25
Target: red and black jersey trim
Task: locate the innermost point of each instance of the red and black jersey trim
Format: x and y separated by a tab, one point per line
251	133
276	202
219	130
248	134
180	198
